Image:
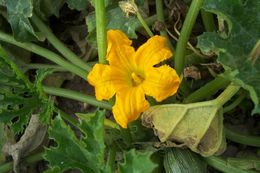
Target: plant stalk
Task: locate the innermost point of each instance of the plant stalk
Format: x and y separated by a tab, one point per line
44	53
76	96
207	90
185	34
66	52
227	94
101	30
242	139
160	18
235	103
222	165
144	24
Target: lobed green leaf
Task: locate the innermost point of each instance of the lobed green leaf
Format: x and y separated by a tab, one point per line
86	153
234	48
137	162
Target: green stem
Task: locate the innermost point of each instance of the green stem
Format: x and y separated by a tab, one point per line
208	20
101	30
66	52
43	66
222	165
235	103
185	34
242	139
65	116
6	167
144	24
227	94
160	17
76	96
111	124
44	53
111	158
207	90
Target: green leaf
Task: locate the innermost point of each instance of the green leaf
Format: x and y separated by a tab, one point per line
116	19
77	4
46	8
234	49
85	154
2	2
19	97
137	162
19	12
198	126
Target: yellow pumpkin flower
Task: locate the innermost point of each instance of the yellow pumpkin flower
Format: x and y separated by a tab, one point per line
132	74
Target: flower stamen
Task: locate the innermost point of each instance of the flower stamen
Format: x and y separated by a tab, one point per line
136	79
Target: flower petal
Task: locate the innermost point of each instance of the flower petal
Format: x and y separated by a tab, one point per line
100	78
154	51
161	82
129	105
120	53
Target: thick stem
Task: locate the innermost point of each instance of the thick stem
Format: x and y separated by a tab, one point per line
160	17
144	24
208	21
185	34
101	30
76	96
6	167
44	53
227	94
242	139
207	90
66	52
222	165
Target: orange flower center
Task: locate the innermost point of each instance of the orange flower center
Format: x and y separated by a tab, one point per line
136	79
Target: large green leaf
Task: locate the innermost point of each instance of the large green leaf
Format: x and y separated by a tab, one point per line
77	4
46	8
233	49
137	162
19	12
85	154
19	98
198	126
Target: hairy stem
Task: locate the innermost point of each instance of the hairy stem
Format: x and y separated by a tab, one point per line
101	30
185	34
44	53
76	96
66	52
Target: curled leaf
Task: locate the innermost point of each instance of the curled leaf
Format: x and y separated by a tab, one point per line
31	139
198	126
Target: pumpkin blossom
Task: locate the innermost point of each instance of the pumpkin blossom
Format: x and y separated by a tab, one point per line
131	74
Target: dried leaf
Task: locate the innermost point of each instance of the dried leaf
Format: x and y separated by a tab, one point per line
199	126
31	139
